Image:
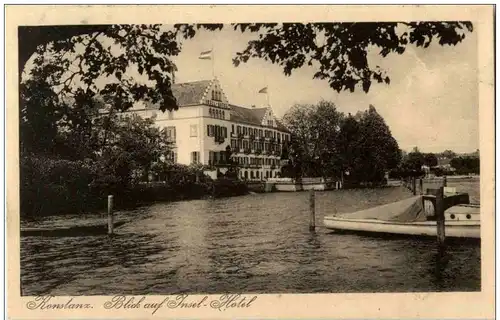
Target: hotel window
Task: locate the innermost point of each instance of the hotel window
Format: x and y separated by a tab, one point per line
193	129
195	157
172	156
238	129
232	128
171	133
260	132
223	115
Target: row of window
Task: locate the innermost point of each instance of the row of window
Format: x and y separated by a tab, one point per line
216	95
251	174
216	113
254	145
216	157
260	133
221	131
256	161
216	131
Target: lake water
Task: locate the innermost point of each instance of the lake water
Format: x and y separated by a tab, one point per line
258	243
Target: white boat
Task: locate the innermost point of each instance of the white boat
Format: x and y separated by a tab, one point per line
410	217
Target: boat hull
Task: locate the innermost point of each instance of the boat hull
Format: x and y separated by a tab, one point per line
454	229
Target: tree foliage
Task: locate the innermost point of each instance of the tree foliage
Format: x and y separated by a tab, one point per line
326	143
314	130
466	164
78	56
339	51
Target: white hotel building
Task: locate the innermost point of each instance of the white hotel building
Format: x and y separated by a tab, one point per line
206	124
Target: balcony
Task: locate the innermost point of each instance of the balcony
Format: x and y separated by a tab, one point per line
220	163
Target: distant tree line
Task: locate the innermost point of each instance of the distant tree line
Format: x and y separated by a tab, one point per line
412	164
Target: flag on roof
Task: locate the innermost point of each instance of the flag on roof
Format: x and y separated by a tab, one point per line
263	90
206	55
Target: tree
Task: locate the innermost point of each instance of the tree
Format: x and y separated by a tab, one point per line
414	161
349	145
448	154
379	151
132	146
466	164
430	160
78	56
339	51
314	130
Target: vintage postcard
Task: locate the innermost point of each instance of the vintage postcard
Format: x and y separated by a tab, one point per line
222	162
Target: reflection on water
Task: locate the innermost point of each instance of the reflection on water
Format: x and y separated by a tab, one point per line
256	243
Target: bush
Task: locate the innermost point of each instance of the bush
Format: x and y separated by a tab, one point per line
54	186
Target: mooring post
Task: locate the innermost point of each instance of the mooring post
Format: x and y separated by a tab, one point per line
414	186
445	182
439	211
110	215
312	211
421	183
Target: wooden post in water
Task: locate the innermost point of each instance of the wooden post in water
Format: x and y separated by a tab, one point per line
439	211
421	186
312	211
445	182
110	215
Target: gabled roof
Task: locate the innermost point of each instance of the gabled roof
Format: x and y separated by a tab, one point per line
247	115
190	93
252	116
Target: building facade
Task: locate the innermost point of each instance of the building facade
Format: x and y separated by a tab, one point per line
207	129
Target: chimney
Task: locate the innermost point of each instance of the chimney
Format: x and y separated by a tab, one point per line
253	106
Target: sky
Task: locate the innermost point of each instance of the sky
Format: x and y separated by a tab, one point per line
431	102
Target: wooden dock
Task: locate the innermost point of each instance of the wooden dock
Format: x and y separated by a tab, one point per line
70	231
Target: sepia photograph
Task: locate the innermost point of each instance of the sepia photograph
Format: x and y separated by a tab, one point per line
249	158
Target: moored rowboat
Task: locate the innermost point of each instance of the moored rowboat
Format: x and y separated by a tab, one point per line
409	217
457	229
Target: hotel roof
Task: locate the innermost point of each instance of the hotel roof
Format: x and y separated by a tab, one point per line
192	93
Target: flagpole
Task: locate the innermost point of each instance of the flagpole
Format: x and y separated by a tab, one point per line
213	62
267	89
